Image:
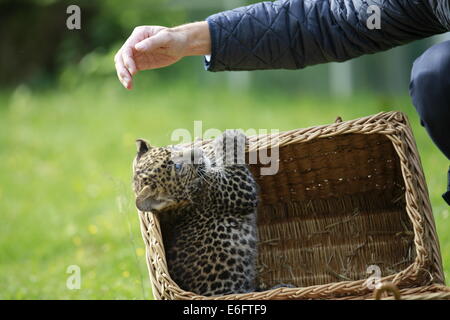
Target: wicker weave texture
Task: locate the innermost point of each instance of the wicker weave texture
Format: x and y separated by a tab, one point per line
346	196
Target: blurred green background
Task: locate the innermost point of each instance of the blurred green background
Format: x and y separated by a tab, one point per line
67	131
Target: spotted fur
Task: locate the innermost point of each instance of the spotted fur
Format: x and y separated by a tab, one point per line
208	216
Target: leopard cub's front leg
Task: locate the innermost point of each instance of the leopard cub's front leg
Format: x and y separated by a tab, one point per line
229	148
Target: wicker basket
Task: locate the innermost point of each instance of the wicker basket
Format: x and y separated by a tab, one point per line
346	196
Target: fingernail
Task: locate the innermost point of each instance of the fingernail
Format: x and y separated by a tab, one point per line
139	46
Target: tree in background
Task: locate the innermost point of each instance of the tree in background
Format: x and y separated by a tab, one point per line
36	45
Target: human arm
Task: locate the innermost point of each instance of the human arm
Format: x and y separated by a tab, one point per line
293	34
286	34
151	47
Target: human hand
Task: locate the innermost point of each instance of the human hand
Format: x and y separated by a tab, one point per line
151	47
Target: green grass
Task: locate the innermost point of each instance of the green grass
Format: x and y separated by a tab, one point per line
65	174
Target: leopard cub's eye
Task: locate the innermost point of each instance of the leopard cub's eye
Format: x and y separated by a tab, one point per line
178	166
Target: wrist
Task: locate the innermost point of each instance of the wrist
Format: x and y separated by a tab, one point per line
197	38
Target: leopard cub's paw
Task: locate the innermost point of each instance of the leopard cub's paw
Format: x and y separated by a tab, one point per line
229	147
234	134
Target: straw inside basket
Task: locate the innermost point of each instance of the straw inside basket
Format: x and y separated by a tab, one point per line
335	207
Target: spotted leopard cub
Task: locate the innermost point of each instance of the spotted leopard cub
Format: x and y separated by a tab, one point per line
207	209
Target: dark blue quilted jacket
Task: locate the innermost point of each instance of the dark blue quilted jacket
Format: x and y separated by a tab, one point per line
292	34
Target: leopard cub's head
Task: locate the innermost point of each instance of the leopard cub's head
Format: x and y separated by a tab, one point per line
166	178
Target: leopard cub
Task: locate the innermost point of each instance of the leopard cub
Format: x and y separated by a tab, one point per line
207	208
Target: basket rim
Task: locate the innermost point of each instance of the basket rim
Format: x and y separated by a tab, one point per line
427	265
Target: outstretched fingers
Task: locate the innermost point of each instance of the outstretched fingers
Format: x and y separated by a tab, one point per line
138	52
125	63
123	74
128	60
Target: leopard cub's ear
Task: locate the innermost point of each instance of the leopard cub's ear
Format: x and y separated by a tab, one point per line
142	146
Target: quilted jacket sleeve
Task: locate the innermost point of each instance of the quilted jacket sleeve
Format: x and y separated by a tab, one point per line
293	34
